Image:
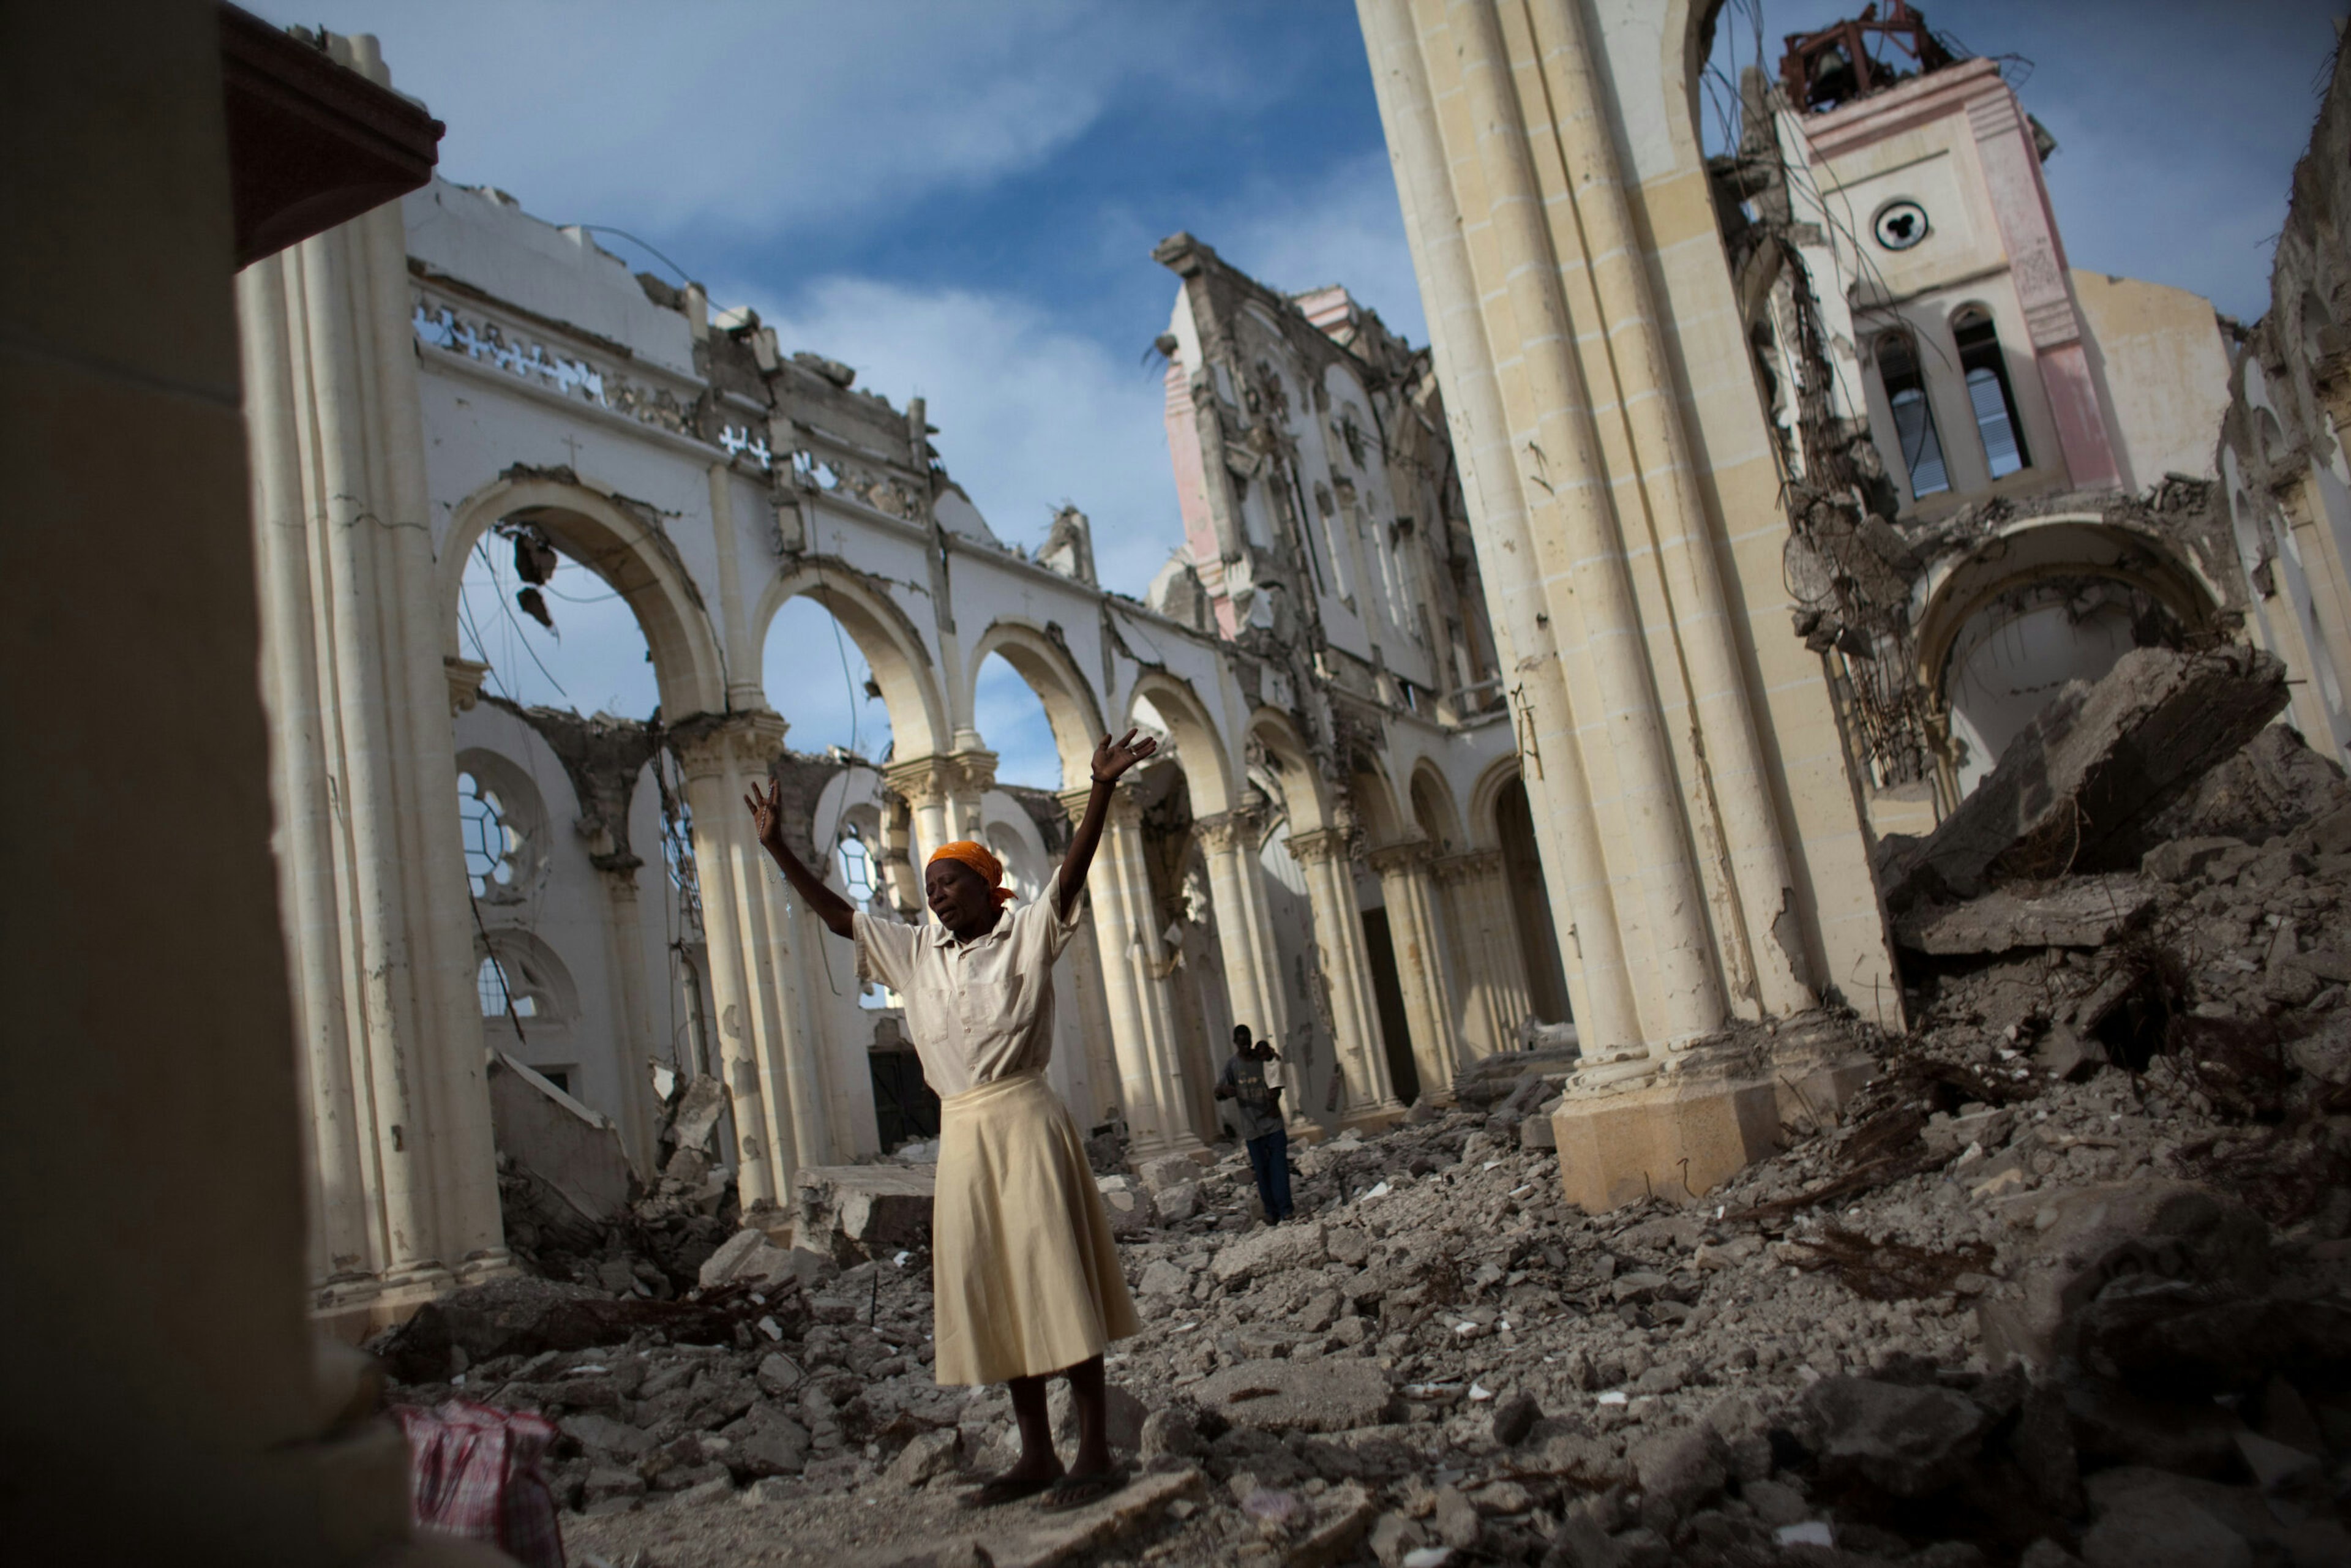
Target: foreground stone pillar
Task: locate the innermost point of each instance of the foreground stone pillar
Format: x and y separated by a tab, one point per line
362	770
720	755
1346	975
1151	1089
1413	931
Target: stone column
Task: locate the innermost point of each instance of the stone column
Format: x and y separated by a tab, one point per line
624	949
1485	947
1732	802
1244	932
1485	442
1628	761
1151	1090
1413	933
1346	973
379	935
720	755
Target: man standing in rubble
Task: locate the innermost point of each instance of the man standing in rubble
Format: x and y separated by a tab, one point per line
1251	1079
1025	1279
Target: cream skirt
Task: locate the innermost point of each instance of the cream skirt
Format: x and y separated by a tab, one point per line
1025	1278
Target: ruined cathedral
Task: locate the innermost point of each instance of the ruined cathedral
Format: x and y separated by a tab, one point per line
1553	684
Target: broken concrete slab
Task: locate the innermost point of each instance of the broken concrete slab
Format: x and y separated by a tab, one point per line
1318	1395
2275	784
699	1108
750	1254
2079	911
2077	788
573	1150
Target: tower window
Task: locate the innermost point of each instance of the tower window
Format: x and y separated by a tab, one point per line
1914	420
1989	393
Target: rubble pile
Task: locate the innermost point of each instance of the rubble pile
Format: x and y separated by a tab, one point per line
2069	1281
656	1244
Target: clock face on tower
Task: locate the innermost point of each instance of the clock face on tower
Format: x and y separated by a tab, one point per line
1899	225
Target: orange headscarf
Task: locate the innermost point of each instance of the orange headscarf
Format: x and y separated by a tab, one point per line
964	852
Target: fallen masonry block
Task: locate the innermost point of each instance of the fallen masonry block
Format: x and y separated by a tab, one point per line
2157	1229
1909	1440
1165	1171
864	1210
1270	1251
2080	912
749	1254
2077	787
1315	1396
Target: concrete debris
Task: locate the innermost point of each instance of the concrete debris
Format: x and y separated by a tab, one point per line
863	1211
2078	912
2065	1282
2079	786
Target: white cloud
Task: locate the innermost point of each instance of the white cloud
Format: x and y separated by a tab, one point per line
763	116
1030	415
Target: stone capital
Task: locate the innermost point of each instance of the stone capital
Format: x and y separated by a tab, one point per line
1229	830
1401	857
1321	844
709	744
465	677
924	781
1469	865
972	773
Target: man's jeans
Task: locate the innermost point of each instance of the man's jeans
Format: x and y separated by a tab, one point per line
1269	1158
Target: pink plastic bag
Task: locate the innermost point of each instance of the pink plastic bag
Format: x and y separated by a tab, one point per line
474	1470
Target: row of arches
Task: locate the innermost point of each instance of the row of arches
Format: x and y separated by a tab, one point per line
1215	932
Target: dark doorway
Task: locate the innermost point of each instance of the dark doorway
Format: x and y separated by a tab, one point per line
1387	990
1514	830
905	1109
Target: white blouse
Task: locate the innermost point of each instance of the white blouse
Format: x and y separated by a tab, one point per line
977	1010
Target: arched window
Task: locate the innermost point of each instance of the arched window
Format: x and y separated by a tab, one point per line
860	878
1989	393
861	882
503	985
493	844
1914	420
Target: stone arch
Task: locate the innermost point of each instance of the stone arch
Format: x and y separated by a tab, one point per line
1434	811
892	647
1071	709
2041	548
1304	797
2034	607
1206	770
1374	799
1484	795
622	548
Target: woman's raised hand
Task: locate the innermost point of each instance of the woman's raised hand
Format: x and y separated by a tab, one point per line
1112	757
768	815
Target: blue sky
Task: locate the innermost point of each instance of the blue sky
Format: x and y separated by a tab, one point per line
960	199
